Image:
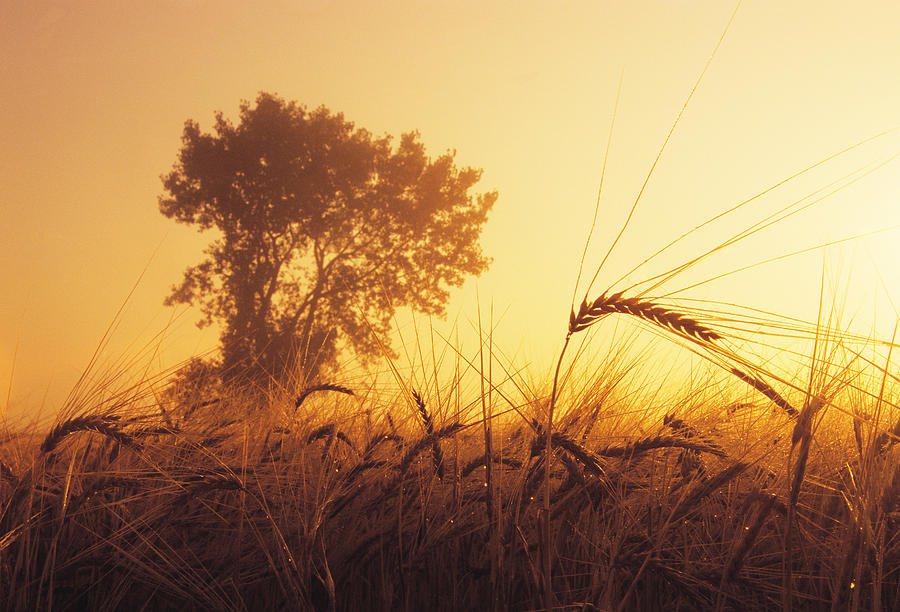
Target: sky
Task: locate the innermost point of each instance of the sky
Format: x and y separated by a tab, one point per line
96	94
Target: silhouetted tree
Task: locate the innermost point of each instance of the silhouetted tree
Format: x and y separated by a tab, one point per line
322	231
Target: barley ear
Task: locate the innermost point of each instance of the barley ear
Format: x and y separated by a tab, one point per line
323	387
766	390
436	451
588	314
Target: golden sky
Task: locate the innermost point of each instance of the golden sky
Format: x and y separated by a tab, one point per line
95	94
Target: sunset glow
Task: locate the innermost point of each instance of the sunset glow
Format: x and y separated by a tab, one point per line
96	94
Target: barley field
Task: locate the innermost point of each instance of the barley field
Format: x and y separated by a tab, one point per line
743	490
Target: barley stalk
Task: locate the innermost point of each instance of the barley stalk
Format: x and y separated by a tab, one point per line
647	444
7	474
322	387
428	440
99	424
331	433
590	313
766	390
887	439
750	535
428	421
373	444
323	431
478	462
857	435
802	434
583	455
692	501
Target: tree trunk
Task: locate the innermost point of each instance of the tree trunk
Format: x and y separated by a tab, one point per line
307	354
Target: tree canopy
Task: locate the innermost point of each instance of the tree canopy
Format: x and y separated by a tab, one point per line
321	231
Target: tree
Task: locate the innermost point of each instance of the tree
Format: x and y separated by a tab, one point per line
322	232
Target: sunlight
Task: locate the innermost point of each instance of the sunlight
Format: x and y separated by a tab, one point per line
313	305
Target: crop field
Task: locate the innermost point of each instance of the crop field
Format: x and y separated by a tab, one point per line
726	495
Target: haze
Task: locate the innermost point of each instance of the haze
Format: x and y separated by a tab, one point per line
96	94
